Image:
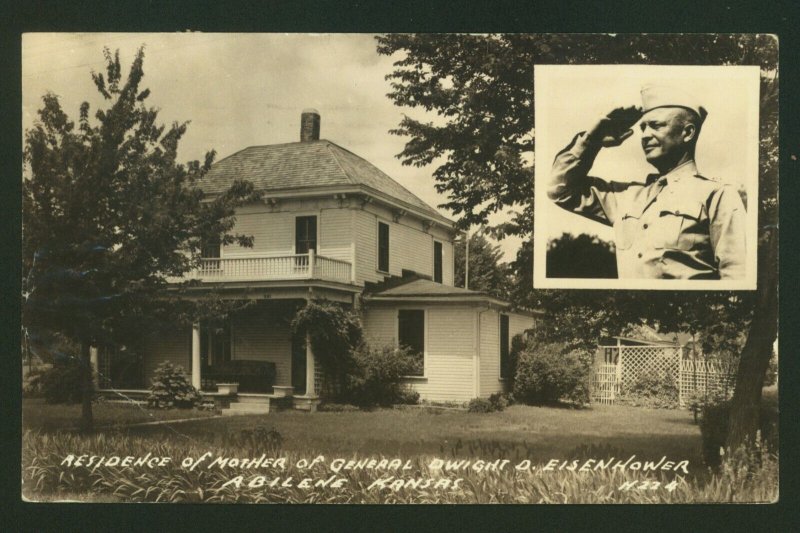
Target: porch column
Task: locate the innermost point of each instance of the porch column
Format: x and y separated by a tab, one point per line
309	368
196	356
94	362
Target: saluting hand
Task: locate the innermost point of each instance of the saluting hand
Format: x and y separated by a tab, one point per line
615	127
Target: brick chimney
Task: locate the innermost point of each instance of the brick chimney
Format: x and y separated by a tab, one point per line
309	125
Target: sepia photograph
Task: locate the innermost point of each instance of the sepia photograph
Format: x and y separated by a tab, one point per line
653	169
352	268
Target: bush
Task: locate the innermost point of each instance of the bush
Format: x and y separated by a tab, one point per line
63	383
331	407
171	388
496	402
654	388
376	377
549	373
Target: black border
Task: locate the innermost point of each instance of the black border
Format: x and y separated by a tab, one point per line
778	17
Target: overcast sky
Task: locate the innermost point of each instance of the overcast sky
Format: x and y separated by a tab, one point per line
241	90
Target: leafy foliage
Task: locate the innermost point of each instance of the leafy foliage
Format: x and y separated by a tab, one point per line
109	215
377	377
487	272
171	388
549	373
654	388
334	333
495	402
582	256
63	383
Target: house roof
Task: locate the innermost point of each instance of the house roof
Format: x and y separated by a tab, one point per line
308	165
422	289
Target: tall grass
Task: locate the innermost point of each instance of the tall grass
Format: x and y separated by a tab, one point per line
744	477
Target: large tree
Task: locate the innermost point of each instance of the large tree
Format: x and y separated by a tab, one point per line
481	88
487	271
109	215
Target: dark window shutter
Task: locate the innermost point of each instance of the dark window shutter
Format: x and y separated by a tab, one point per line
504	347
437	261
383	247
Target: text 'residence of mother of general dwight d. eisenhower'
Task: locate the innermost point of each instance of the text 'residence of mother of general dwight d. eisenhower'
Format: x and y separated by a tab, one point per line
676	223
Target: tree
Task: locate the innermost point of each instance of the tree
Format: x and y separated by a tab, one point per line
481	86
109	216
487	272
584	256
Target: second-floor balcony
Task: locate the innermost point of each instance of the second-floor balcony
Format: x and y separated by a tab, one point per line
273	268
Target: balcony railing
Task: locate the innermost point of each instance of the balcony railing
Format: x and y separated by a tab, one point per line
287	267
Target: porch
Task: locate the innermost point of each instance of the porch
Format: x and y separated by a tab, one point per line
273	268
252	357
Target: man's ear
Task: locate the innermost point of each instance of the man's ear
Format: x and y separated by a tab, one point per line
689	132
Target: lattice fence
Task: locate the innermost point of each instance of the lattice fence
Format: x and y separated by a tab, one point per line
618	367
706	377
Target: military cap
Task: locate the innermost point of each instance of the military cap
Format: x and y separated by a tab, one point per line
655	96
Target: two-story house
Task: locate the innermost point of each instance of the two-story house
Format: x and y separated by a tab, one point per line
331	225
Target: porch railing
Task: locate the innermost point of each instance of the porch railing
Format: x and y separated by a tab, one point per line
286	267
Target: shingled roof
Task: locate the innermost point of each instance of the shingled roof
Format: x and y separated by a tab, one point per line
306	165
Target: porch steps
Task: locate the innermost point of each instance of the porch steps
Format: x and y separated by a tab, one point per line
248	404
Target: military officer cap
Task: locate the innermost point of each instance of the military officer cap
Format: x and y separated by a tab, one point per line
655	96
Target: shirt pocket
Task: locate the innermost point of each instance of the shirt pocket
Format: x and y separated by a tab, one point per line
680	224
626	230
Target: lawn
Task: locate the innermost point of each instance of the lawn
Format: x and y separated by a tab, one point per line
419	435
37	415
518	432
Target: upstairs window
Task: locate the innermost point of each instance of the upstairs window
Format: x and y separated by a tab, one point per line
505	359
437	261
411	335
383	247
305	234
210	248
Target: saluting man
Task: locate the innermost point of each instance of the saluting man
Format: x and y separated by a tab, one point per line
677	224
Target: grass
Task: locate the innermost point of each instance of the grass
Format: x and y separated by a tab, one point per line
414	434
37	415
520	430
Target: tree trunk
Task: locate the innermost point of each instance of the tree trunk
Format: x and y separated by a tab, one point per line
757	350
87	393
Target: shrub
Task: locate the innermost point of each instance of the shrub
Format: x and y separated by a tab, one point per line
549	373
63	383
655	388
376	377
171	388
331	407
496	402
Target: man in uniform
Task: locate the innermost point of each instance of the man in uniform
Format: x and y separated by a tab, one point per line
678	224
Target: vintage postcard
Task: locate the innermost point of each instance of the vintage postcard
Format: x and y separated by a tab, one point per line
363	269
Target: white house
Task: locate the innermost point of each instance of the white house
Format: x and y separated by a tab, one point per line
331	225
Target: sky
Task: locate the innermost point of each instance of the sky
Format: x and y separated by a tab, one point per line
241	90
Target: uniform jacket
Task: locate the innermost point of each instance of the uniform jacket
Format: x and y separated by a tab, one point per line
678	226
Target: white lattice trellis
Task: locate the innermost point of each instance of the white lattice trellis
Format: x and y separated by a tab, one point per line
706	377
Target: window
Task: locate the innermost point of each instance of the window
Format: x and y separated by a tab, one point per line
305	234
437	261
411	335
383	247
505	360
210	248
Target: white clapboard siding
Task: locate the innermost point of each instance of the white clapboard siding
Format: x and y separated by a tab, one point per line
450	367
263	335
335	234
366	231
380	326
409	249
447	263
273	233
490	353
173	346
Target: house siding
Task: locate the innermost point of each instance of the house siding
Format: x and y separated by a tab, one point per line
490	353
410	247
174	346
449	348
264	335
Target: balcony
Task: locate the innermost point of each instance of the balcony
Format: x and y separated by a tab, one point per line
273	268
